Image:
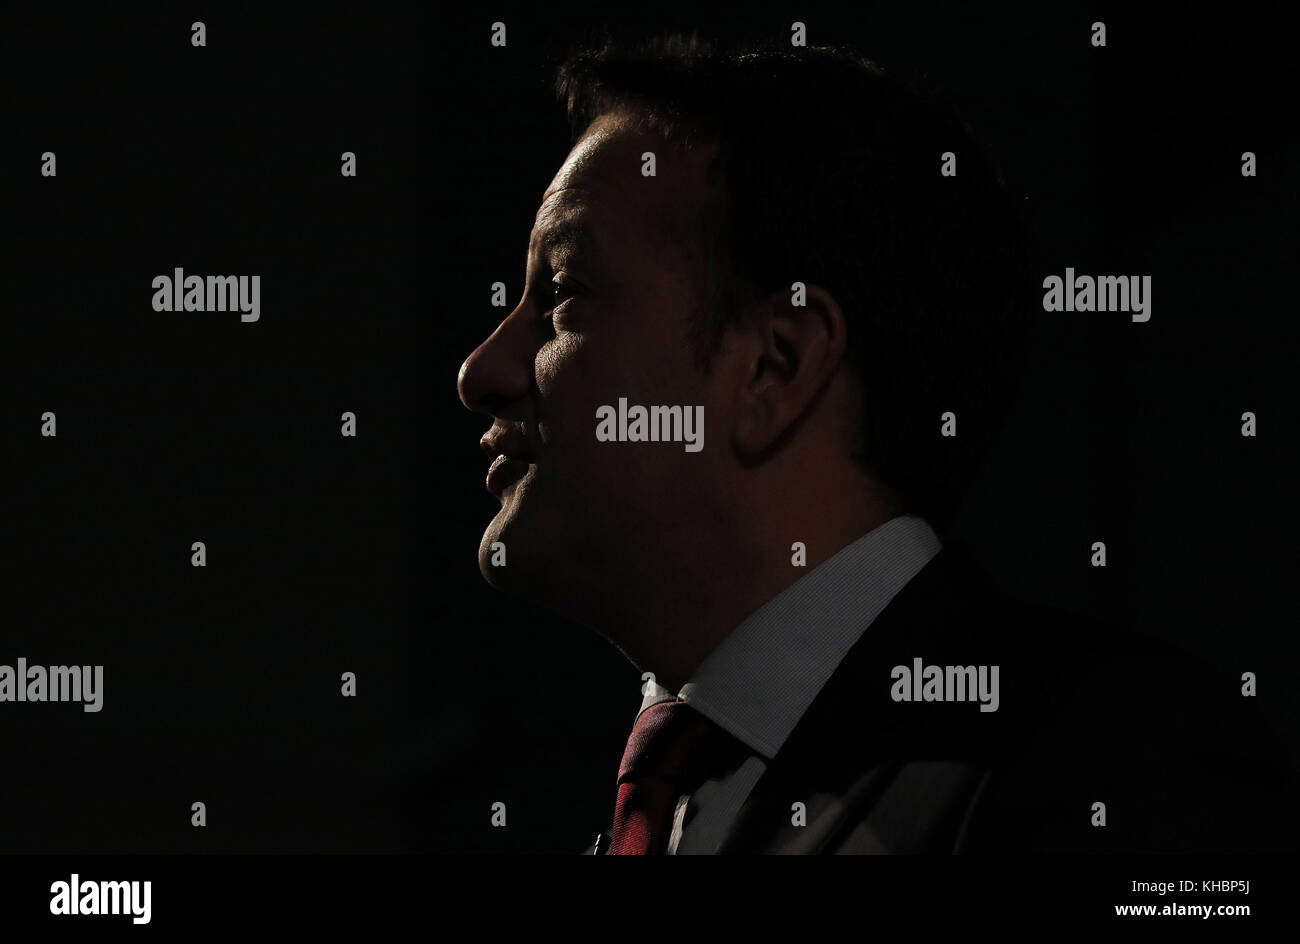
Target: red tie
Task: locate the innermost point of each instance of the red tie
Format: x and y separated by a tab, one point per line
667	755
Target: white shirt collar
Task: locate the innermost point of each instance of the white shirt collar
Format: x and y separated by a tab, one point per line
762	678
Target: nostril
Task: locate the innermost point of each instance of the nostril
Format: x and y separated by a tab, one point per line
493	403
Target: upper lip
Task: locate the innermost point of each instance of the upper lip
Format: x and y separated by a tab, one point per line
501	442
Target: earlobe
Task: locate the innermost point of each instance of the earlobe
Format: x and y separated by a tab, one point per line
751	377
754	422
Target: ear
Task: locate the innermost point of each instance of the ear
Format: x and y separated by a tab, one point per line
792	351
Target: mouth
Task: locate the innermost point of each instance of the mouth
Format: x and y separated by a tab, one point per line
503	473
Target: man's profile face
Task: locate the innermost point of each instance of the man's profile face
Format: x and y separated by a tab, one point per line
624	287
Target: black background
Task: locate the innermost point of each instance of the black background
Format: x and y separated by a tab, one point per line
328	554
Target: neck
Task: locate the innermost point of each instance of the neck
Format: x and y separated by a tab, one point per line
683	605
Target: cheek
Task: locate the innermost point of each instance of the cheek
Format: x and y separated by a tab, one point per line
557	362
563	371
640	357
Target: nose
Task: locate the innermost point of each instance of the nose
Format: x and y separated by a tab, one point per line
500	370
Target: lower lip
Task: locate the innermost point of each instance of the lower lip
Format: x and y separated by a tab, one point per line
504	473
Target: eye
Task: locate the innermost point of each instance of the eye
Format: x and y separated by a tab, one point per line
564	290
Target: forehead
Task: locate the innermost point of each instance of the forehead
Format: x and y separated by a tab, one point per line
601	189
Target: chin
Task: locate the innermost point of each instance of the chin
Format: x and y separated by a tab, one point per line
495	576
515	525
518	535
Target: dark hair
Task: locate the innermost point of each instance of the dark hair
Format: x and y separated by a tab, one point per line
829	173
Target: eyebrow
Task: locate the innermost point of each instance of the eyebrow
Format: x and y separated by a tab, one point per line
568	235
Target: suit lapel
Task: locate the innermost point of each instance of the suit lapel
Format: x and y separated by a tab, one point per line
855	744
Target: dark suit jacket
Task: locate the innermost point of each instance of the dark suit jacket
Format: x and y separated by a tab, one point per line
1181	760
